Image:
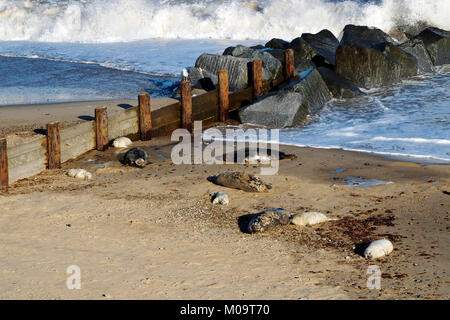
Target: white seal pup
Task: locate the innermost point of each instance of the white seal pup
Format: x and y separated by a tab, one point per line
79	174
378	249
220	198
309	218
136	157
122	142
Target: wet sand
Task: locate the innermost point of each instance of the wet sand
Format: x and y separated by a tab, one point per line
152	233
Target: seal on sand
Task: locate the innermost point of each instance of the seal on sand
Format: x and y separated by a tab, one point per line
79	174
136	157
378	248
309	218
241	181
263	155
121	142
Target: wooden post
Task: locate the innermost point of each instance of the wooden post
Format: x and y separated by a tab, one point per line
186	105
223	95
53	146
4	180
257	78
145	117
101	129
288	64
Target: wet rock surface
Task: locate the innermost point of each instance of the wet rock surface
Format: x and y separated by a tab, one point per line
291	105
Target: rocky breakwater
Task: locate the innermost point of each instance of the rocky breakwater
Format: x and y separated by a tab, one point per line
291	105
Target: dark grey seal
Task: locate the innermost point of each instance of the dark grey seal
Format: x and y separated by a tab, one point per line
136	157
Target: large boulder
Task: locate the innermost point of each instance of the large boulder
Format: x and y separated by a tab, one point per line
324	44
291	105
408	62
362	36
237	68
303	55
416	47
270	63
437	43
276	43
202	79
367	57
339	86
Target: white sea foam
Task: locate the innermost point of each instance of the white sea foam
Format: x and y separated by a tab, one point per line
127	20
414	140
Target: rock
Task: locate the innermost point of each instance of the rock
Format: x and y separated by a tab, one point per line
276	43
241	181
367	67
378	248
367	57
79	174
437	43
308	218
291	105
338	85
202	79
220	198
272	67
408	62
363	37
237	68
121	142
324	44
398	35
416	48
136	157
268	219
303	55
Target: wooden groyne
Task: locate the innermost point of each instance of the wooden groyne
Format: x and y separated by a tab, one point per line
60	145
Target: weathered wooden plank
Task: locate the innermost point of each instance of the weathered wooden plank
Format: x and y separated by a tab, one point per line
206	102
53	146
27	159
124	123
288	64
77	140
240	98
186	105
257	77
223	95
101	129
168	114
4	172
145	120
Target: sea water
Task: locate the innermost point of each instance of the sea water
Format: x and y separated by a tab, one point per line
72	50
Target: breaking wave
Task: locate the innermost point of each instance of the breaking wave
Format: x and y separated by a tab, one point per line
128	20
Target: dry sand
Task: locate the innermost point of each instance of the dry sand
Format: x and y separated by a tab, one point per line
152	233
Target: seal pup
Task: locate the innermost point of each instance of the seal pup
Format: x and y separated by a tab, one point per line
220	198
136	157
262	155
241	181
378	249
309	218
79	174
122	142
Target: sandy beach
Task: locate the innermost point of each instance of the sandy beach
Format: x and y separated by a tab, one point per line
152	233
